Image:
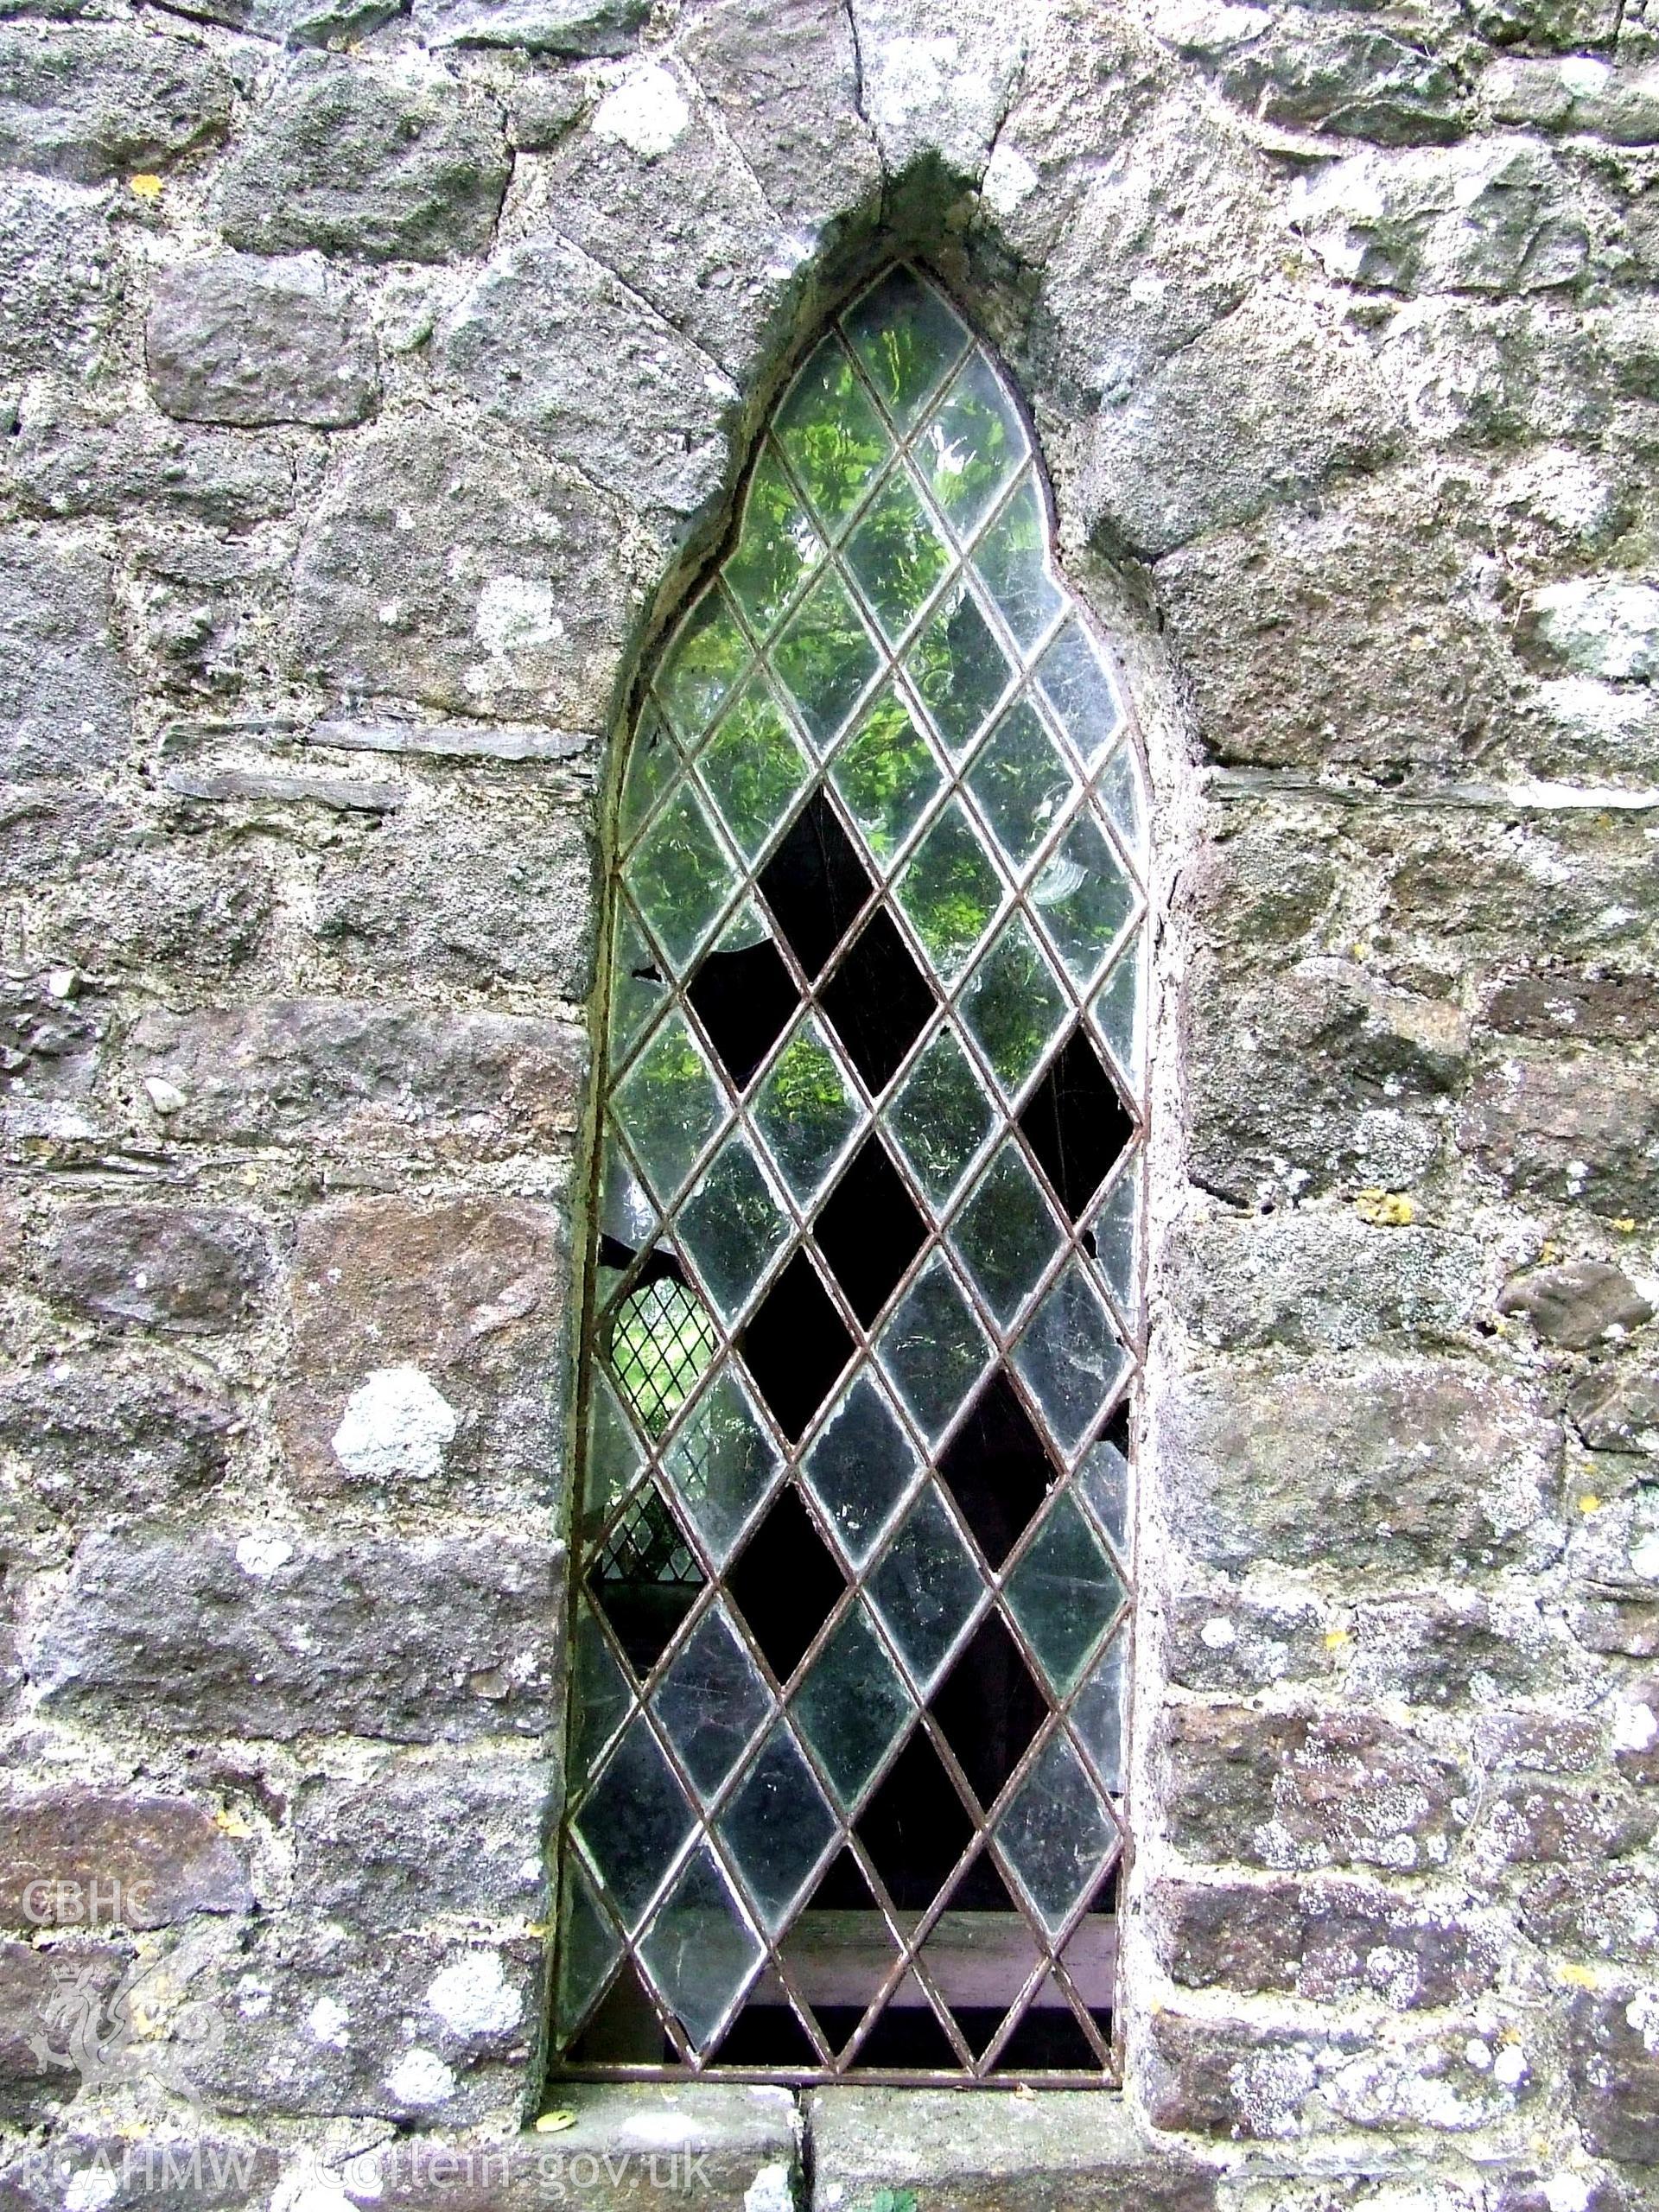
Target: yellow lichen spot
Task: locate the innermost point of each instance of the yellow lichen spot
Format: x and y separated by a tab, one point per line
1625	1225
232	1823
1549	1252
1589	1504
554	2123
1335	1638
1385	1209
144	186
1579	1977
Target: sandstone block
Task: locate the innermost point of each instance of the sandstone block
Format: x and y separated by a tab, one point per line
1615	2070
1584	1304
60	280
84	1858
1581	1129
95	101
1616	1407
126	1433
423	1842
239	339
1223	1641
1323	1281
66	700
176	1269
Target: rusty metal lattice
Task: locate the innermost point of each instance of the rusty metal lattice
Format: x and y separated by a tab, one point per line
852	1586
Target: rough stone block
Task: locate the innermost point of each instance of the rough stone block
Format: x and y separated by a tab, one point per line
1549	26
426	1345
95	101
1616	1407
1597	625
1569	1004
37	2074
335	1071
1581	1129
1615	2070
1406	1466
1602	1910
396	165
66	700
1581	1306
1531	1822
420	1639
574	29
1323	1281
932	101
159	904
1328	1942
1636	1730
235	339
182	1269
1285	1790
1224	1641
508	596
294	23
558	347
1305	71
1450	1649
52	1037
67	460
993	2154
424	1842
1628	1626
60	280
95	1433
84	1858
1267	405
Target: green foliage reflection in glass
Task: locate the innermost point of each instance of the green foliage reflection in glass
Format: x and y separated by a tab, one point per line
885	672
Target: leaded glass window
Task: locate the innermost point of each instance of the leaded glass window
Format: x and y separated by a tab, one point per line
850	1604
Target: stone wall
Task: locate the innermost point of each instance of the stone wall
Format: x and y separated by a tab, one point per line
374	380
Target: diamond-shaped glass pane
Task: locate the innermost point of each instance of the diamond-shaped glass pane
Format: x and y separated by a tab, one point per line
852	1706
906	338
731	1225
1098	1713
1022	783
709	653
635	1822
1058	1835
927	1589
806	1109
1064	1593
1122	788
950	891
958	668
636	986
1007	1233
1115	1228
612	1459
777	547
831	434
661	1341
861	1467
600	1693
934	1348
778	1826
887	774
1013	559
723	1463
753	767
1013	1005
653	763
971	446
896	555
681	877
941	1116
588	1948
700	1949
1071	1357
667	1106
712	1700
1081	691
1103	1478
1083	899
825	657
1120	1003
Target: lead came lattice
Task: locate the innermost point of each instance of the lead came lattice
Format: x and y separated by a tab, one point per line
852	1586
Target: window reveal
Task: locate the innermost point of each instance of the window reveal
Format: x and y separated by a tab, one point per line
851	1601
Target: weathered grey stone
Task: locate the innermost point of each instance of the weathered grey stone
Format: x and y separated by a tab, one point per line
158	905
576	28
423	1841
1267	405
1387	582
1539	1743
31	2086
1225	1641
1568	1003
426	1344
428	899
1615	1407
128	1431
84	1858
93	101
239	339
249	786
1600	1910
1327	1942
417	1639
1453	1648
424	2031
559	347
67	460
48	830
218	2167
1581	1304
1597	625
938	94
334	1070
1323	1281
1408	1464
1636	1732
1615	2071
1628	1626
181	1269
1283	1790
785	77
545	107
66	700
1581	1129
993	2154
507	596
1551	26
355	159
1321	1077
294	22
1480	373
60	280
451	741
51	1039
1298	67
1532	1823
1495	216
208	609
1579	95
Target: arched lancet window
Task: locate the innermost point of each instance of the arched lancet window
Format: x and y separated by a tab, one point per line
850	1598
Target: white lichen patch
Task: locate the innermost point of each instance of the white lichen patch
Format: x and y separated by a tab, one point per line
420	2077
396	1426
328	2022
473	1997
1635	1726
770	2192
261	1556
517	614
1009	178
647	112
